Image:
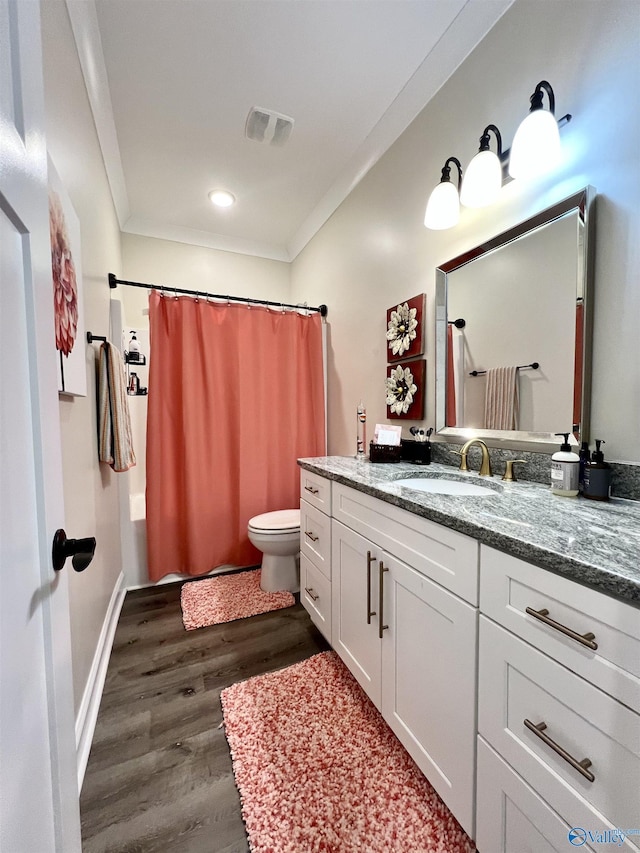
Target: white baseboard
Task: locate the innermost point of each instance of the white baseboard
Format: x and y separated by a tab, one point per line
88	711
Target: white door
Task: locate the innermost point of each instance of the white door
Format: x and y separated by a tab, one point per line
39	793
354	610
429	682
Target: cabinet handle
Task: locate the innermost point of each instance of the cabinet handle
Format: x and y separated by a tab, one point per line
581	766
370	612
543	616
310	592
311	489
381	626
309	533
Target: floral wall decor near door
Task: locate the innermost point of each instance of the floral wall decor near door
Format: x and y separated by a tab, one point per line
405	329
405	390
66	269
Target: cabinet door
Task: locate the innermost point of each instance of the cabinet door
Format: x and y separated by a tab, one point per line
354	611
429	681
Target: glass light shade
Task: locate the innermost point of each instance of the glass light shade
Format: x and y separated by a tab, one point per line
443	207
536	145
221	198
482	180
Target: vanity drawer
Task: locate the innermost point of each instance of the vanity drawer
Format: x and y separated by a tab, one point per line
446	556
315	537
315	595
513	818
509	586
316	490
519	683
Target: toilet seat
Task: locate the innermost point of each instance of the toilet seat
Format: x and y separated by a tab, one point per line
278	522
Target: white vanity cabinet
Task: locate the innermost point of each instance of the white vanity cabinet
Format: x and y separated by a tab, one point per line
315	549
409	642
558	712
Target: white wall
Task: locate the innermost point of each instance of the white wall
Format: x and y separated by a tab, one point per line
90	489
164	262
375	251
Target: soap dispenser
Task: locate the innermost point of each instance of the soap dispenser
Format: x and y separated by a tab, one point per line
565	470
584	461
597	476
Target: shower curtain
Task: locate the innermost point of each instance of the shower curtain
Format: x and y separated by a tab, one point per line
236	395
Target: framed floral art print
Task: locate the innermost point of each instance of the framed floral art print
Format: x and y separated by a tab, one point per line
405	329
66	270
405	390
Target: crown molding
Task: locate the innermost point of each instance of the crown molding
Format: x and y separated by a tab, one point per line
84	24
192	236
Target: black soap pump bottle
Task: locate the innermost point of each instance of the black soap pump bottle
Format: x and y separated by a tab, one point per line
584	461
597	476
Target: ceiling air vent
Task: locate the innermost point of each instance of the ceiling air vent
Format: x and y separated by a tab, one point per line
267	126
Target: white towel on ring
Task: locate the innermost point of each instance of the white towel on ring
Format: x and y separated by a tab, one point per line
115	446
502	398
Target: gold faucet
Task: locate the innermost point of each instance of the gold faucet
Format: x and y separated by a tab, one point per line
485	467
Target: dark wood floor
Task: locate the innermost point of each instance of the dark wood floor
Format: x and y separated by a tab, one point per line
159	776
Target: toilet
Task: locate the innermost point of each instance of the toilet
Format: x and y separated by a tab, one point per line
277	535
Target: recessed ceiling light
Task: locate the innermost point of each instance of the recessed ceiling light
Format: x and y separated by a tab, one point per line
221	198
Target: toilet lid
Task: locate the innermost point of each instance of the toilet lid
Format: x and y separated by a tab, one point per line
280	521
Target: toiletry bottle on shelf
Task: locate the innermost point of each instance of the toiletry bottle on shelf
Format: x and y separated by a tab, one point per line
362	431
584	460
565	469
597	476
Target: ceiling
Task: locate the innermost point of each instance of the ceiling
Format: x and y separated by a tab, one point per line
171	83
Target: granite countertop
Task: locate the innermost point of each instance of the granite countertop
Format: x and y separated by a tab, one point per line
596	543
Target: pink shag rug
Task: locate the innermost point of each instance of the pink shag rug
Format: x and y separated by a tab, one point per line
228	597
318	769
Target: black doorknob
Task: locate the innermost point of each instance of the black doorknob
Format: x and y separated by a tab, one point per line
81	550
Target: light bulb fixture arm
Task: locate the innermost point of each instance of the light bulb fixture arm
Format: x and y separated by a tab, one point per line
446	170
485	139
536	98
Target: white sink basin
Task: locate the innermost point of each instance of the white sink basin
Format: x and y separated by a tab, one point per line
444	487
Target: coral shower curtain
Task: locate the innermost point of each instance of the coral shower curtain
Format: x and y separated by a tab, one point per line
236	395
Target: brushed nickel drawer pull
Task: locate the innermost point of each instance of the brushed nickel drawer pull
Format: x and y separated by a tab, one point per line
581	766
311	489
381	626
543	616
311	593
309	533
370	612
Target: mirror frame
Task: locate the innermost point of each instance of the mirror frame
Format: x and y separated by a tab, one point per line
583	202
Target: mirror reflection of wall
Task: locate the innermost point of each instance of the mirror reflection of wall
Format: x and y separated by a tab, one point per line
525	298
519	304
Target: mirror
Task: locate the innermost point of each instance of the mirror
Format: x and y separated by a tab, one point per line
522	299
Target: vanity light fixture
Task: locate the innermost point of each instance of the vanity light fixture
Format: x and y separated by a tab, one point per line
443	207
536	145
221	198
483	176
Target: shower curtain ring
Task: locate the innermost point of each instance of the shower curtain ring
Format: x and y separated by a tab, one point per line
282	306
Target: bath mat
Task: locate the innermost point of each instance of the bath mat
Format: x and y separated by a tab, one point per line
318	769
228	597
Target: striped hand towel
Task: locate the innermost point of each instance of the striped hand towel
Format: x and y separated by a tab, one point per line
115	446
502	398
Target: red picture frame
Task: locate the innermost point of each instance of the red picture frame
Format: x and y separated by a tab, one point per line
416	346
417	369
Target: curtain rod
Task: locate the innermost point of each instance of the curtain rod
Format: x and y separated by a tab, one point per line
114	282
